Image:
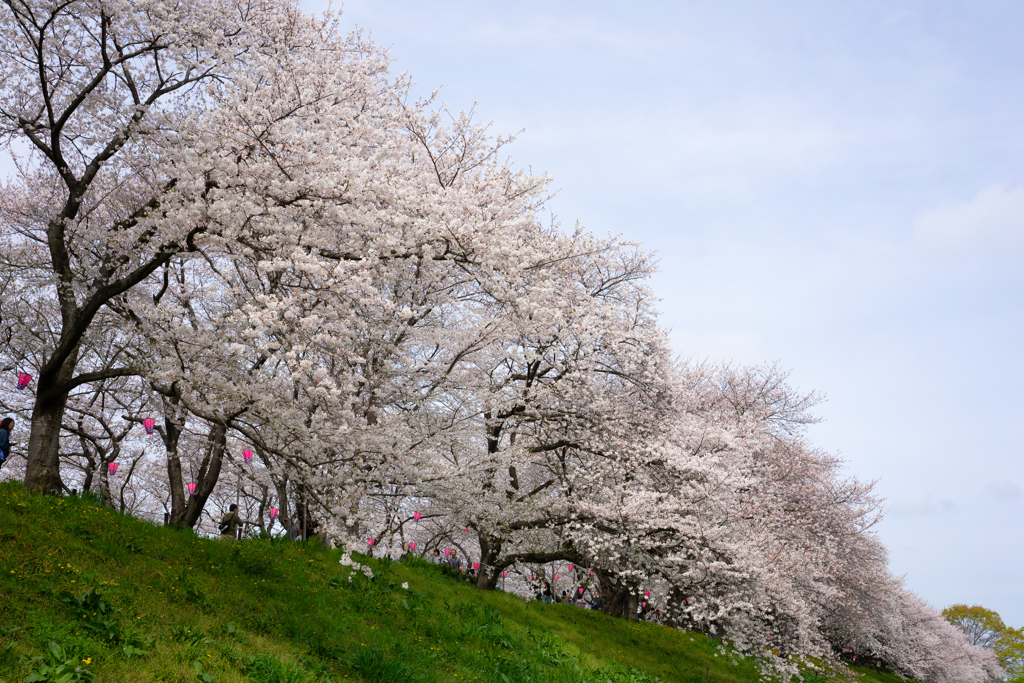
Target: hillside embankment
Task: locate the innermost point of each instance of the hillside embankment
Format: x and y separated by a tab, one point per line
87	594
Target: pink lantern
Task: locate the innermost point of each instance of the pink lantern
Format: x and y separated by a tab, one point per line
581	591
191	488
447	551
112	467
370	541
23	379
531	577
644	604
504	574
466	529
647	594
591	572
247	455
273	513
412	546
476	565
416	516
571	566
556	577
149	423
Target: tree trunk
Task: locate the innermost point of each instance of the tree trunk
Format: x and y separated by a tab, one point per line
90	472
617	598
282	500
170	436
42	473
209	472
488	574
105	487
632	602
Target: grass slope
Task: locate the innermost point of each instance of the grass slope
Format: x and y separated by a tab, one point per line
123	600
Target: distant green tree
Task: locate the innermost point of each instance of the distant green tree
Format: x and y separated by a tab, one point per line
1010	652
985	628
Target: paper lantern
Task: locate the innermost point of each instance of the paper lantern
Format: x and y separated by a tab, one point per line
581	591
23	379
370	540
447	551
531	577
556	577
476	565
247	455
571	566
504	574
466	529
191	488
273	513
412	546
416	516
112	467
647	594
149	423
591	572
644	604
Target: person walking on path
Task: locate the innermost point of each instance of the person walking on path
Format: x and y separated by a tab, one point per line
229	524
6	427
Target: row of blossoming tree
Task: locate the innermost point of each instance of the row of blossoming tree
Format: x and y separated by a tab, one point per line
233	220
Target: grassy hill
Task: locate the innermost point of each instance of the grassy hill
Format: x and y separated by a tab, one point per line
87	594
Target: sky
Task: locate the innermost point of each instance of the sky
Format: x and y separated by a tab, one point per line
837	187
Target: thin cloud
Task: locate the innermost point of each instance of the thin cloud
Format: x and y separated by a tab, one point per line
923	504
995	216
1004	490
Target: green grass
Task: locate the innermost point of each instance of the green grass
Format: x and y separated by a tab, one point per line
126	601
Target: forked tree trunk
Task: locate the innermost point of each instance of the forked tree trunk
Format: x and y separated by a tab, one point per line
209	473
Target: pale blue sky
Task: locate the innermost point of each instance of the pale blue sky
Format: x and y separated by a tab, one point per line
837	186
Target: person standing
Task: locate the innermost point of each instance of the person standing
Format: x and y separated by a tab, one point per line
456	562
6	427
229	524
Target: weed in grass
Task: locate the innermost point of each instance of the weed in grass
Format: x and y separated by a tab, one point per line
96	614
269	669
231	631
192	635
128	545
57	666
254	561
262	622
7	646
202	674
191	592
378	667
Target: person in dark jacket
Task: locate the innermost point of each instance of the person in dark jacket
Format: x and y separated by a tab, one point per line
229	524
6	427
